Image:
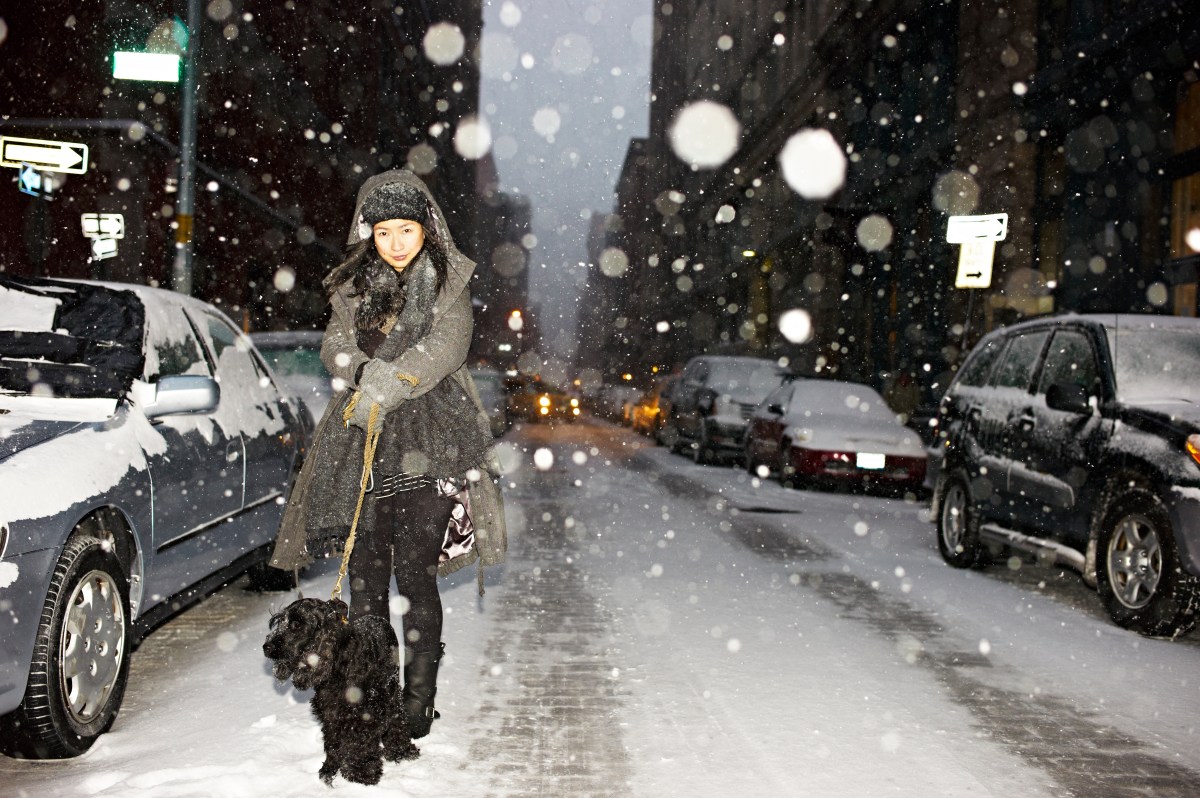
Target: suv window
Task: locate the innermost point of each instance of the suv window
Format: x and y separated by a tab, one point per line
1070	359
975	372
1020	358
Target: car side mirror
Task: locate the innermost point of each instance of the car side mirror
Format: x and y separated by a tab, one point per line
180	394
775	409
1068	397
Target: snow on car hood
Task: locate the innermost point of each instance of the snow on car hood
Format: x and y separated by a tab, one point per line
859	434
49	465
1178	411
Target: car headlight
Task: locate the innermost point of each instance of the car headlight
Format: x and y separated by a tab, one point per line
799	434
544	401
574	403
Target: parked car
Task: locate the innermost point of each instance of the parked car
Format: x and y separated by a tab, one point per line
713	399
490	384
145	457
1078	438
831	432
532	399
615	402
647	413
295	357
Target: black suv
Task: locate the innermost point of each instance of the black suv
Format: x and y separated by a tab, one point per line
1078	438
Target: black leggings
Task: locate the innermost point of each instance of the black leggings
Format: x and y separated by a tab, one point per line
406	541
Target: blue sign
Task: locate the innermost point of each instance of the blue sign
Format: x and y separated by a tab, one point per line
32	182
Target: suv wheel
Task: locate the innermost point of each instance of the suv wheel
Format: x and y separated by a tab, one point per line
1139	576
957	523
80	659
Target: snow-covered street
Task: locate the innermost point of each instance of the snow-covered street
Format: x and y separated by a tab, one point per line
668	629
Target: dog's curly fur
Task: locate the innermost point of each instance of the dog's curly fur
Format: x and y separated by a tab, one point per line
352	669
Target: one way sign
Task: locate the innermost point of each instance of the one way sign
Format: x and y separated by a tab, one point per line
963	229
45	156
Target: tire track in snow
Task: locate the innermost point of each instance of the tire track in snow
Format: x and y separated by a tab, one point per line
542	729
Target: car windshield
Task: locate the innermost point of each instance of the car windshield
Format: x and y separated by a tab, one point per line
1155	363
69	339
757	378
287	361
839	399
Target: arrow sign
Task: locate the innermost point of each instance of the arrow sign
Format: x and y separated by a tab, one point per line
975	264
961	229
46	156
103	225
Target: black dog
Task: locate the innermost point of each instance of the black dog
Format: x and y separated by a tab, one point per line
352	669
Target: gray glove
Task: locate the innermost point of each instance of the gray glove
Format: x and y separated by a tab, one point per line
381	383
362	413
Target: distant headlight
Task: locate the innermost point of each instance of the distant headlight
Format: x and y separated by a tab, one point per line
574	403
544	401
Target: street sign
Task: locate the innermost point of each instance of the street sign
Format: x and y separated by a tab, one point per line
32	182
961	229
103	225
975	264
103	248
45	156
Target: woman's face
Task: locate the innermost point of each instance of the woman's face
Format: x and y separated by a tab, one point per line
398	241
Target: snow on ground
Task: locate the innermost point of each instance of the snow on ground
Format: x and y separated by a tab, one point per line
666	629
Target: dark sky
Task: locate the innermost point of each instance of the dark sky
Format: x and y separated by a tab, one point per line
565	86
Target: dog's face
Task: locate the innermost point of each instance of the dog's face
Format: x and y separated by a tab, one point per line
303	640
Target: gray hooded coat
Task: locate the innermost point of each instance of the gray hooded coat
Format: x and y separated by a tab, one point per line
331	491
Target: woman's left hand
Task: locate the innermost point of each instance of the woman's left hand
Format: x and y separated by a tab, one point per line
361	415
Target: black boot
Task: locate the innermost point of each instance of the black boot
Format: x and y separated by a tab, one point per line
420	686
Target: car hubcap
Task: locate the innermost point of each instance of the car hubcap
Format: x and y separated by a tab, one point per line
1134	561
92	645
954	511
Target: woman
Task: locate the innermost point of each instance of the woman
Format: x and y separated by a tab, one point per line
398	337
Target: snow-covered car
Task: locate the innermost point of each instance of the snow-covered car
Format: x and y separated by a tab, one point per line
831	432
295	357
145	457
712	401
1077	438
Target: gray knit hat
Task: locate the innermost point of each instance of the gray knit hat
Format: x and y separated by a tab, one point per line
395	201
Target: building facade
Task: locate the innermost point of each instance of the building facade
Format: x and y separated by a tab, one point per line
296	104
1076	118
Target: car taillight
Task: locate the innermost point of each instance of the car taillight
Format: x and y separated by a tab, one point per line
1193	447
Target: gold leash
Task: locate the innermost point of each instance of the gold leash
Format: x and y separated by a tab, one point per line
368	457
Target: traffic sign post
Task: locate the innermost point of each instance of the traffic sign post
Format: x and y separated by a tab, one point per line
45	156
977	236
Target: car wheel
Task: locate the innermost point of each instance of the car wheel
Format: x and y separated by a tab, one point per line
784	472
958	523
80	657
701	454
1139	575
